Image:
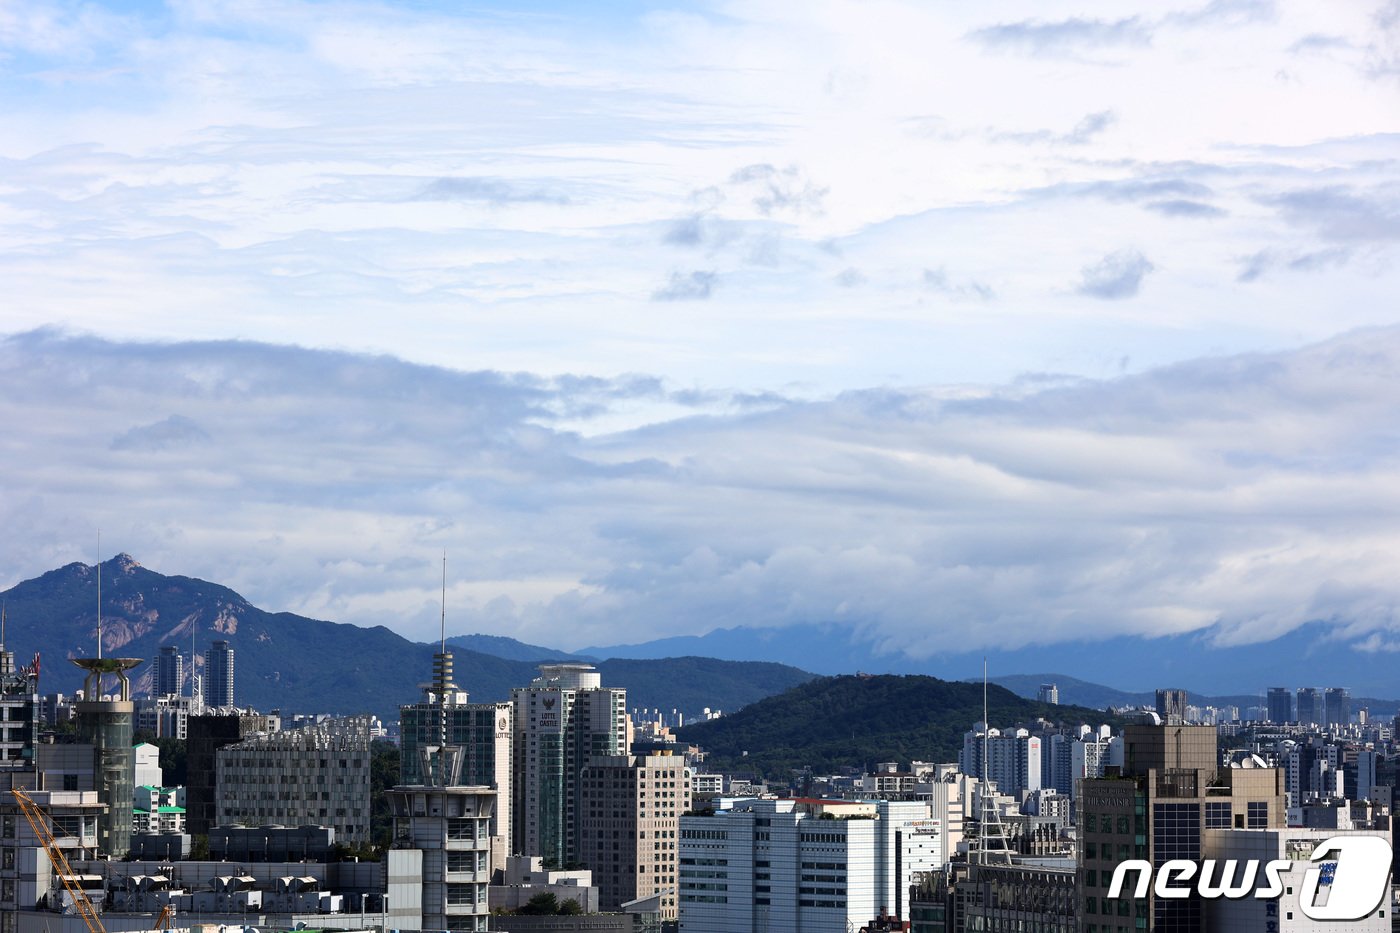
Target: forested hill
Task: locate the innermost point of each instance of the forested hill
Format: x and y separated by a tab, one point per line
830	723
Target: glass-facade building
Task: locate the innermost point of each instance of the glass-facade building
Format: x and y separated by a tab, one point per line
562	720
482	733
1156	808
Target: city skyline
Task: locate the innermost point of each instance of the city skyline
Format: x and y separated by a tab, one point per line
1006	328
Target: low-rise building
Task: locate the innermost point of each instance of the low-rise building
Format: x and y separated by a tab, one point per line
525	877
158	810
26	876
1027	897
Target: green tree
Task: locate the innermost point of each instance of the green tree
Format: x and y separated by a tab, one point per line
172	761
541	905
570	908
383	774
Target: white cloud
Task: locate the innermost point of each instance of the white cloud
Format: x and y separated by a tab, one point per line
496	189
1252	492
1117	275
493	192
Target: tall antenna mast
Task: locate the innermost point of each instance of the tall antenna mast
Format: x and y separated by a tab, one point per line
99	595
442	625
986	723
990	827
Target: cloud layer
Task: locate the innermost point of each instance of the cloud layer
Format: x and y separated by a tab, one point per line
1238	495
487	188
370	277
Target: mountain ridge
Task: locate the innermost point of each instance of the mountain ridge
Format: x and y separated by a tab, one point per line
1311	655
283	660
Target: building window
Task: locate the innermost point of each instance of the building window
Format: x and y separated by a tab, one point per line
460	895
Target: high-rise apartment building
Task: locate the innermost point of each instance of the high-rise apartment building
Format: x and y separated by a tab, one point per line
1049	693
562	720
218	676
1337	702
166	717
1171	789
168	676
1088	759
629	827
1171	705
320	774
483	733
1280	704
1013	759
1310	710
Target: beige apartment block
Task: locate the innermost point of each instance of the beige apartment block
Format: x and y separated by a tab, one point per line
629	826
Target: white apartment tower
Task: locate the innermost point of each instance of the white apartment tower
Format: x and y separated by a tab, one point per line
1013	759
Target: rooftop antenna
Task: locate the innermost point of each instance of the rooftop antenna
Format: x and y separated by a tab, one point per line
99	594
194	627
442	686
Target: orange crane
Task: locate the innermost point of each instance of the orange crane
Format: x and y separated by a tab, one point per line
38	821
167	915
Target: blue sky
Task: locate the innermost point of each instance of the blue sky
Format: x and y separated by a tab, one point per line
680	226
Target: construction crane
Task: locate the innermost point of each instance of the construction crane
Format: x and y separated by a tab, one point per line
38	821
167	916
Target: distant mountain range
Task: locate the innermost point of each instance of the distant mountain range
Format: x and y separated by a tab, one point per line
306	665
1307	656
832	723
287	661
503	646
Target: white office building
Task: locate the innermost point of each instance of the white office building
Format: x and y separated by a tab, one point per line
802	866
1282	914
